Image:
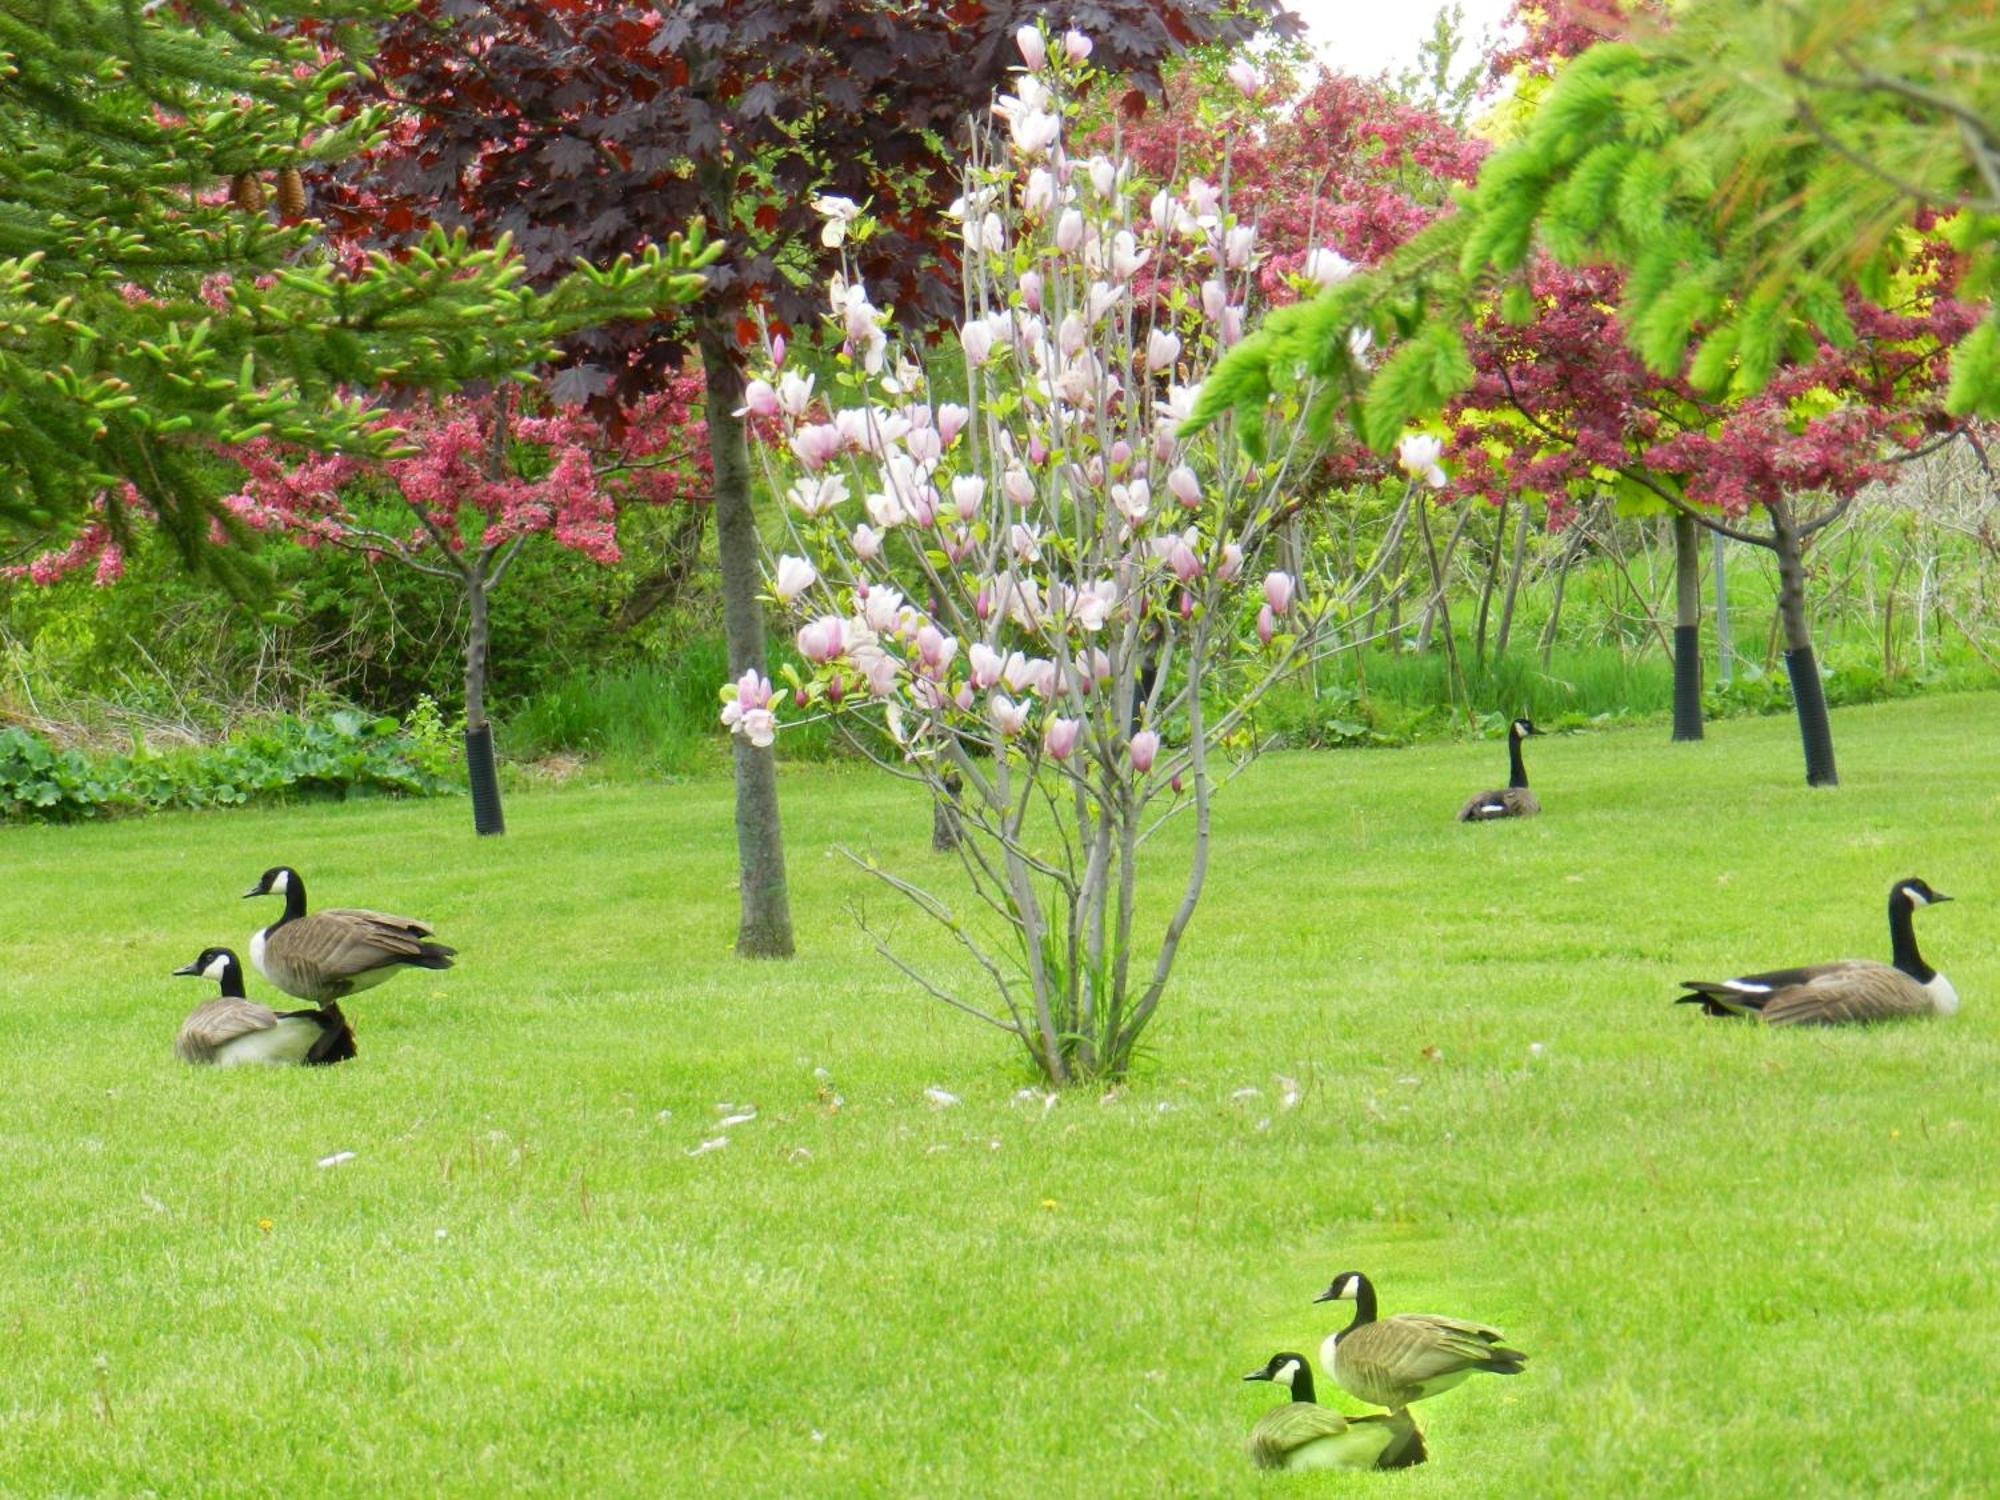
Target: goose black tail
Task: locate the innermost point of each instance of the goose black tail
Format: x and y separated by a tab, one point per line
1703	992
432	956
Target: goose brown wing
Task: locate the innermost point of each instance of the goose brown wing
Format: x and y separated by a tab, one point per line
1393	1357
1286	1428
352	942
1848	994
1507	802
219	1022
382	919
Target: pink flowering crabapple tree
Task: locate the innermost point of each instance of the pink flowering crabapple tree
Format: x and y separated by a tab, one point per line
1040	595
476	483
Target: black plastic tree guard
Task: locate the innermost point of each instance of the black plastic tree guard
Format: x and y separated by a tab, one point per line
1814	728
486	814
1687	682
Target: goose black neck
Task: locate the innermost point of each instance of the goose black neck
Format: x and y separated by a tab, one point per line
232	981
1364	1294
295	900
1519	772
1903	934
1302	1384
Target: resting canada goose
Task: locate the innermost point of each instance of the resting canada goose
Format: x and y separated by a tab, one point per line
1514	800
1302	1435
1852	990
230	1029
1405	1358
331	954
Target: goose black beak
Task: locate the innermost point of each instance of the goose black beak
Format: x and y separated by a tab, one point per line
1937	896
1258	1375
188	971
1329	1295
255	890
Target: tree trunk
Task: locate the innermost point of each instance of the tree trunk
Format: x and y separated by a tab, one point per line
1513	581
1687	628
944	815
1815	730
1725	653
766	922
1492	577
480	774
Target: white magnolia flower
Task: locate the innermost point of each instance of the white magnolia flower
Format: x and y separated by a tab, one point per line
794	576
1327	267
813	498
1418	454
838	212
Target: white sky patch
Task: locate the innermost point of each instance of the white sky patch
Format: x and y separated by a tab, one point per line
1366	37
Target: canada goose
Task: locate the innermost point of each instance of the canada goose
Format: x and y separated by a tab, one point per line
1852	990
1513	800
1302	1435
1405	1358
231	1030
331	954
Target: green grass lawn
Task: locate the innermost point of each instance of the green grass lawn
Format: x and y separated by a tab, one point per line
1743	1263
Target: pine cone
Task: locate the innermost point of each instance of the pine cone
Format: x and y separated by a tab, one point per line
247	193
291	193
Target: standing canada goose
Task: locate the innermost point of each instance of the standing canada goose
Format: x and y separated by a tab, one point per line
1514	800
331	954
1395	1361
1302	1435
1852	990
230	1029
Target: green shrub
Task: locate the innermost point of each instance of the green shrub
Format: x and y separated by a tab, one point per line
346	754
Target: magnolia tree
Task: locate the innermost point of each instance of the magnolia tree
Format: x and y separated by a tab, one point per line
1041	595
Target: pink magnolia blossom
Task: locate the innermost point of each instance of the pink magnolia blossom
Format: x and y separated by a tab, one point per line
967	493
1185	487
1009	717
1163	347
1069	231
1278	592
1034	51
1077	47
1018	486
1246	78
1230	568
951	420
821	640
746	709
814	498
984	665
795	394
1267	624
1059	737
976	339
1183	559
759	400
1031	290
1145	746
867	543
793	577
817	445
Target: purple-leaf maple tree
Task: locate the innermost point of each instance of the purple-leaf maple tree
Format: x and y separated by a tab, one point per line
580	127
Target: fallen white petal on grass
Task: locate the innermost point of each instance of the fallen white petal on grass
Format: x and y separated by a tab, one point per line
1536	1049
153	1203
665	1114
707	1146
940	1098
738	1119
798	1155
1248	1092
1288	1097
338	1159
443	1235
